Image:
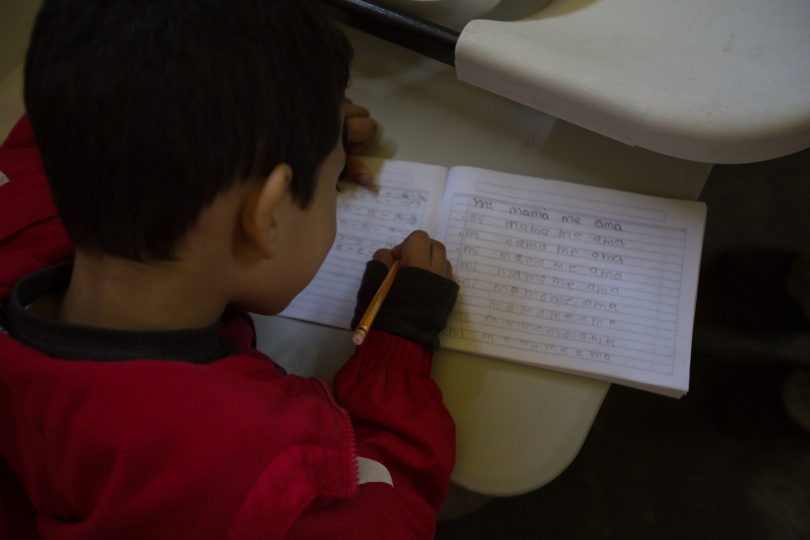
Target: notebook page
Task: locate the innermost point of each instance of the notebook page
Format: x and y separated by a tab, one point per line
408	199
580	279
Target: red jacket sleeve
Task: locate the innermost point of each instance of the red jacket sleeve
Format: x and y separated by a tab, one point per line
31	235
401	423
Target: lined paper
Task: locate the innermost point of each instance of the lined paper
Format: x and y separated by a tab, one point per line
408	198
580	279
586	279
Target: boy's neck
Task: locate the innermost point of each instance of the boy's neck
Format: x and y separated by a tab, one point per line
111	292
190	292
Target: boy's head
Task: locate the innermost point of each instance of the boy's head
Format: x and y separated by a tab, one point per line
145	110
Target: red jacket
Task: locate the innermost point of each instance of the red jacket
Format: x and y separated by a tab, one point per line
232	449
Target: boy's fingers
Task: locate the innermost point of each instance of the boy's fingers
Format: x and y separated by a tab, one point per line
352	110
356	171
360	127
421	251
417	250
384	256
438	258
360	131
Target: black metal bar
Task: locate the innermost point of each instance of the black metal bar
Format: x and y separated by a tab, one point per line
427	38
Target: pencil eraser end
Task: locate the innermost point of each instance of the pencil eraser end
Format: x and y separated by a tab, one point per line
358	339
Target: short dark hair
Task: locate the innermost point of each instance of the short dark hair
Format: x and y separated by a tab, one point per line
145	110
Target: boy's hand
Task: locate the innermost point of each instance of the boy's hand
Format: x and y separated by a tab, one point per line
360	130
421	297
418	251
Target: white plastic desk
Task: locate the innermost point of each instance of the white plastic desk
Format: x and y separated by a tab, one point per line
725	81
718	81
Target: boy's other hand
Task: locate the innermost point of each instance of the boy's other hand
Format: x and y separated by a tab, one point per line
420	251
360	131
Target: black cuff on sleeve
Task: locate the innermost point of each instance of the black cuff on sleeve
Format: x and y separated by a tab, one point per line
417	306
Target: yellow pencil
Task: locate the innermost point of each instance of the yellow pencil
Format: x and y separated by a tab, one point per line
371	312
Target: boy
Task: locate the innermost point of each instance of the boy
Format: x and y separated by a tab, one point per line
192	149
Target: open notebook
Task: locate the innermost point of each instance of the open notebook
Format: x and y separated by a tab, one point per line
575	278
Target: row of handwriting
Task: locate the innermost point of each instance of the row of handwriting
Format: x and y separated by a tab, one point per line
566	329
661	361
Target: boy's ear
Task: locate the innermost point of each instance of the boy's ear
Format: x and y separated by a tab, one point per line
259	214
